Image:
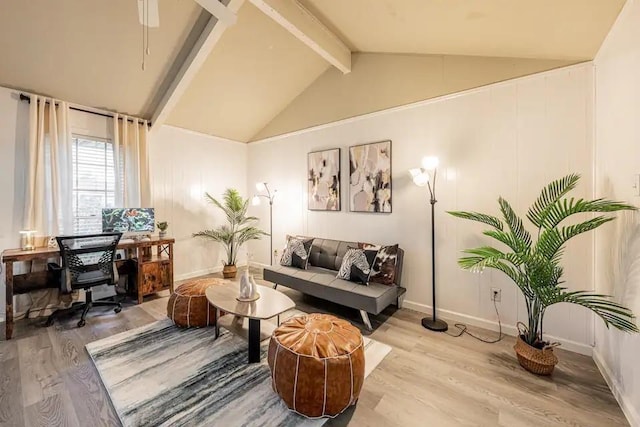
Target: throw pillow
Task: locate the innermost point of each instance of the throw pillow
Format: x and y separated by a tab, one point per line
356	265
383	270
296	253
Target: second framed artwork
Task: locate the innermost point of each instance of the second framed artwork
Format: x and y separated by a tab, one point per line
370	177
323	178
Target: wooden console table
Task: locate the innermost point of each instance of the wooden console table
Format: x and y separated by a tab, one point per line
153	270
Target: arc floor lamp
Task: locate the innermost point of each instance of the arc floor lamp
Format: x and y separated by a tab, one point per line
426	176
264	187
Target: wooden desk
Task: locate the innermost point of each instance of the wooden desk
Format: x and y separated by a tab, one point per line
153	272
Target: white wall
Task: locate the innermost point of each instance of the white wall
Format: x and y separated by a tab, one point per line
617	165
185	164
506	139
13	141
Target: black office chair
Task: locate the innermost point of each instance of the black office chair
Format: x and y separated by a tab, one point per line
87	261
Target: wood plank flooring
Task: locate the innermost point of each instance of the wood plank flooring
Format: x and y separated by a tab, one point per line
429	379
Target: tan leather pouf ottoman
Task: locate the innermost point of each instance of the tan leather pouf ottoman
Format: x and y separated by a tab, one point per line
188	306
317	364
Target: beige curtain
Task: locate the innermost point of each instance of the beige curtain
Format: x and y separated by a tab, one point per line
131	162
48	207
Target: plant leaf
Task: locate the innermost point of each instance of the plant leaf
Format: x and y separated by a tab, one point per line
475	216
549	195
564	208
520	236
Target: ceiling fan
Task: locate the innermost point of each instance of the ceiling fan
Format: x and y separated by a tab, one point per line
148	13
149	17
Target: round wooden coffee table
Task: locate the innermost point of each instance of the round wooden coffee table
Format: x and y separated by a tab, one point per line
243	318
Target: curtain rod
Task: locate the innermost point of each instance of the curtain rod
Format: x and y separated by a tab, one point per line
27	98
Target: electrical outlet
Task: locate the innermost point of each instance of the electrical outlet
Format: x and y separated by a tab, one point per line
496	294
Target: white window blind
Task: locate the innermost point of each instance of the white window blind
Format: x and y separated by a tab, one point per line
93	182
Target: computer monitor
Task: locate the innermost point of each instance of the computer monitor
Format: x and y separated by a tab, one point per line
129	221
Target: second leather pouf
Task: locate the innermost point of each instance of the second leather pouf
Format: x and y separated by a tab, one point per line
317	364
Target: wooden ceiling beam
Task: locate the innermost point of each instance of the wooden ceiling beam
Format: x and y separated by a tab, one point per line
198	54
219	10
296	19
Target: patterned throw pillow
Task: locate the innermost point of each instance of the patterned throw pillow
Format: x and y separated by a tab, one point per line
383	269
296	253
356	265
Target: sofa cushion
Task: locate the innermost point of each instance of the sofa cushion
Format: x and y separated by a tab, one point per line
356	265
327	253
323	283
296	253
383	270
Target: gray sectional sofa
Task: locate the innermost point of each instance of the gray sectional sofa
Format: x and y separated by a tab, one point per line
319	280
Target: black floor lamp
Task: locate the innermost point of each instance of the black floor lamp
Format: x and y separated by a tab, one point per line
263	186
421	178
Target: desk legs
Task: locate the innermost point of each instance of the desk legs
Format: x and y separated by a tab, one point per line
254	340
9	300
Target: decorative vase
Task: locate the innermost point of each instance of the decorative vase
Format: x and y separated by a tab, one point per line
254	287
229	271
245	286
539	361
162	234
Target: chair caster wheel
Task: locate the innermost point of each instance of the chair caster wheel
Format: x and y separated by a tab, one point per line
117	309
81	323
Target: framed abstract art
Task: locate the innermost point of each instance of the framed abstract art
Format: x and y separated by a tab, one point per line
370	177
323	177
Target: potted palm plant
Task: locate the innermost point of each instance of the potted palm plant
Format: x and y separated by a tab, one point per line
162	226
535	265
238	231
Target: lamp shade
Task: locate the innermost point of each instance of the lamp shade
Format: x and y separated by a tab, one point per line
420	177
430	162
261	186
255	201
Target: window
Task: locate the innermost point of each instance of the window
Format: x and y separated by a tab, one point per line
93	182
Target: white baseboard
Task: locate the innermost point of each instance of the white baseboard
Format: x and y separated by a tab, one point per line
197	273
627	407
258	264
202	272
574	346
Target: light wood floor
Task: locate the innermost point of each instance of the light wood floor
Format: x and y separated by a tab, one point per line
429	379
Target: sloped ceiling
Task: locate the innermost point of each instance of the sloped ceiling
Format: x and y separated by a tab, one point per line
379	81
90	52
256	69
549	29
259	80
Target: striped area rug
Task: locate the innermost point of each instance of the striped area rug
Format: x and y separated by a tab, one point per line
161	375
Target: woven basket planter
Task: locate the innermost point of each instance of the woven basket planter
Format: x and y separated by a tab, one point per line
535	360
229	271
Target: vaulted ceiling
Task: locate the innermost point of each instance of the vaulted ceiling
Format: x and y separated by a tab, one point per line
549	29
280	66
90	52
253	73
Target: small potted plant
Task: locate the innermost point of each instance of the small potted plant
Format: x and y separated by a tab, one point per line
239	230
162	226
534	264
